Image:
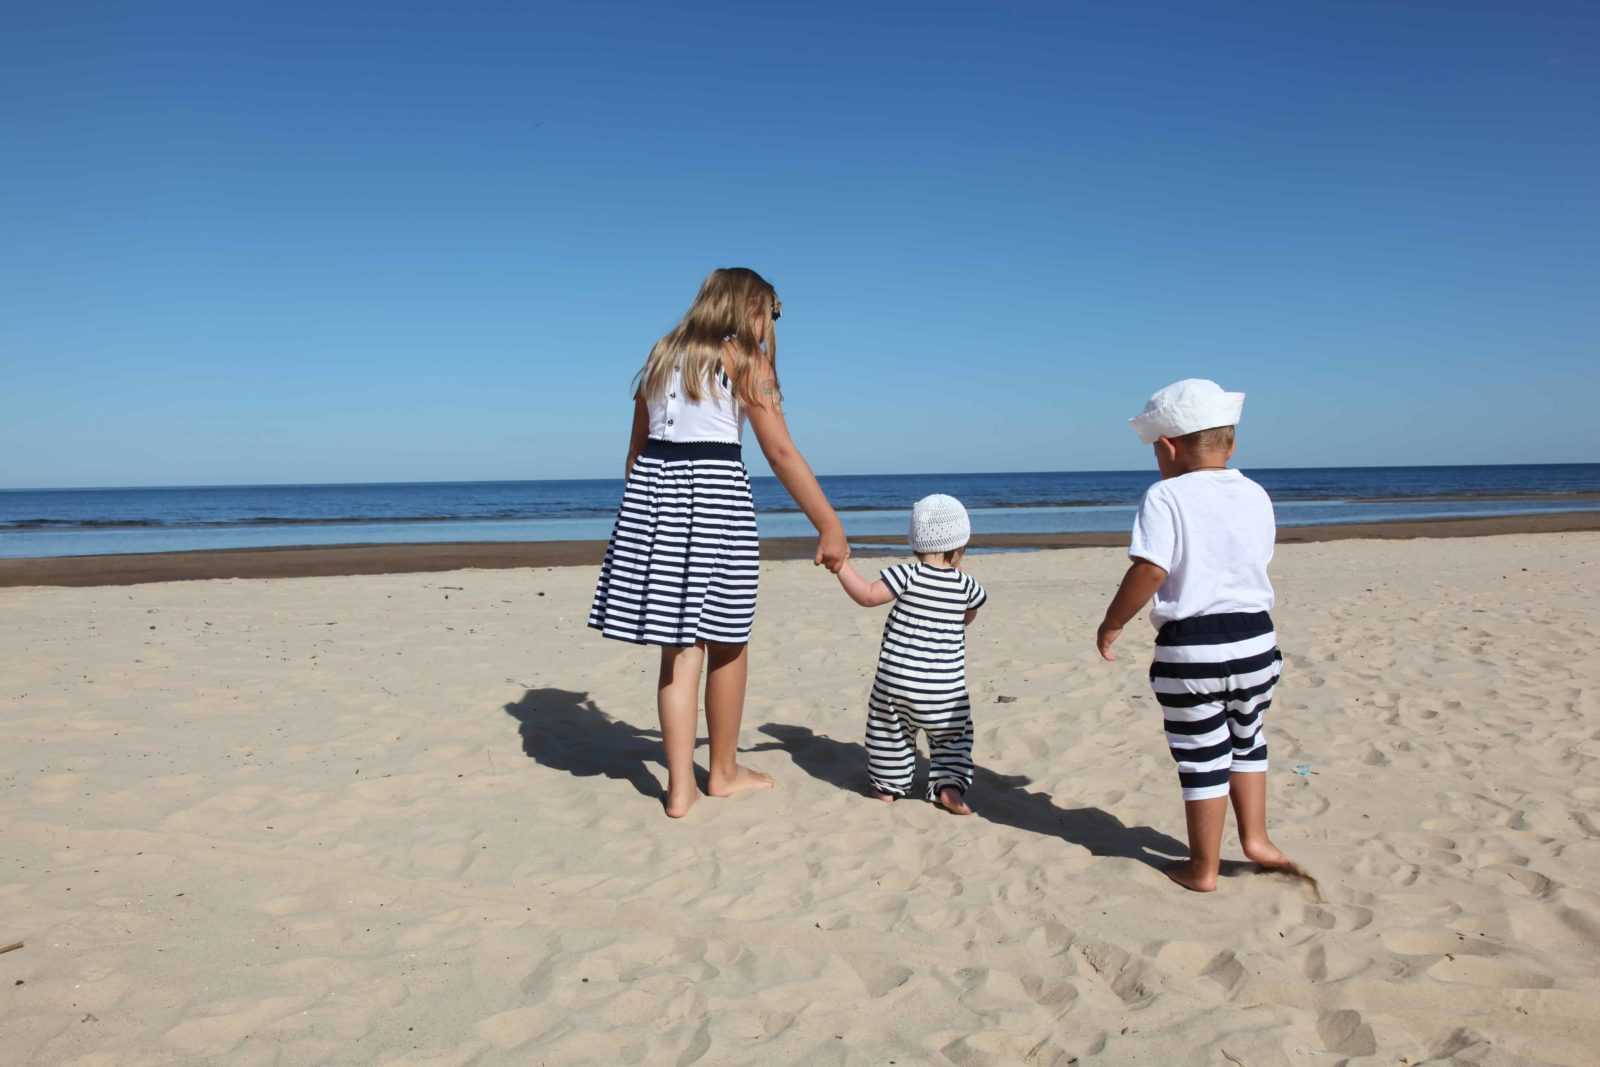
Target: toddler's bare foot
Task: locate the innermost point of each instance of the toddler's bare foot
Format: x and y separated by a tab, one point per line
679	801
743	780
951	800
887	798
1185	875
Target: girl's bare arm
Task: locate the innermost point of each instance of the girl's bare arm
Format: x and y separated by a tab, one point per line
639	435
791	468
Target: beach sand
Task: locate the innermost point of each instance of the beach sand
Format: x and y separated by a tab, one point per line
414	819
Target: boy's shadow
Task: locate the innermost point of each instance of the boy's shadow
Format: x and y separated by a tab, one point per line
1000	798
567	732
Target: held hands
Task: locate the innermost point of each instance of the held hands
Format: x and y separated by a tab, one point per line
1105	637
832	549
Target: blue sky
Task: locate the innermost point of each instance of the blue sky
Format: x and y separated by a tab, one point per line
342	242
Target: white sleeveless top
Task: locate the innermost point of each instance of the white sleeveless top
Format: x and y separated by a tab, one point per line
718	417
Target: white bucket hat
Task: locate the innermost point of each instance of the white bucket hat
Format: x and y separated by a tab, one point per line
1185	407
939	524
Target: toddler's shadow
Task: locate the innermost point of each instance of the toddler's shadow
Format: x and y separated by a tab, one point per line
566	731
1000	798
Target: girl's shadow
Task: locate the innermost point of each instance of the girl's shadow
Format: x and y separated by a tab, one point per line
1000	798
567	732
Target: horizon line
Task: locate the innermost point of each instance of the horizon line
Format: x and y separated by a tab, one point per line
901	474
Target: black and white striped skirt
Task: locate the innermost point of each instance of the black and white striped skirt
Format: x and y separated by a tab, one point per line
684	558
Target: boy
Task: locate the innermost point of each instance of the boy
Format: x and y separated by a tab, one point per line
922	672
1201	543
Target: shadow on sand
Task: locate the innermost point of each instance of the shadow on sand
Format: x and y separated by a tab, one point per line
566	731
1000	798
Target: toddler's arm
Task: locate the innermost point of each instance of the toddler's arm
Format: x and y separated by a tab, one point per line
867	594
1138	586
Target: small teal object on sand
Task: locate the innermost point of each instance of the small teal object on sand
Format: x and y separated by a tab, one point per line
1303	769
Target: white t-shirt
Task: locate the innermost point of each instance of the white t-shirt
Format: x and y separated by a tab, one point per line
1213	533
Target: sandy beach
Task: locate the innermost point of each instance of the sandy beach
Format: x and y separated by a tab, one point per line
413	819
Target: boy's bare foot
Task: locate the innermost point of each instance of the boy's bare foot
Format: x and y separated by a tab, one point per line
678	802
887	798
744	780
1185	875
1267	856
951	800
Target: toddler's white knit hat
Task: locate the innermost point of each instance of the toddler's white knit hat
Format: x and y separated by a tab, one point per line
939	524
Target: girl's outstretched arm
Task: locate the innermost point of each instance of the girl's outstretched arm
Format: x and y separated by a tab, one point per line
772	431
867	594
639	435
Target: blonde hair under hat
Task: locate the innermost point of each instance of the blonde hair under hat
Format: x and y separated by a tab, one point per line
939	524
1186	407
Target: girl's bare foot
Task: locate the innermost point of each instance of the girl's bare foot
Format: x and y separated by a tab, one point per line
678	802
743	780
887	798
1185	875
951	800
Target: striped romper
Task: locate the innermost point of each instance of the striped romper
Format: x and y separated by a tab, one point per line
921	682
684	559
1216	657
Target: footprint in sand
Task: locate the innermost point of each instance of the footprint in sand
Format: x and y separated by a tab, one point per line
1345	1033
1484	971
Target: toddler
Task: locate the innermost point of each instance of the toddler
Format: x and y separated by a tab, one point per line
921	682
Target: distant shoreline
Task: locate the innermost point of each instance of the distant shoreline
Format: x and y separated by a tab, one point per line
339	560
268	522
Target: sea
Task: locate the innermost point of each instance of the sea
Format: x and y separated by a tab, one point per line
75	522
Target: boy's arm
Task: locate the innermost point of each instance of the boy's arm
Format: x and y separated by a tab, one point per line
1138	586
867	594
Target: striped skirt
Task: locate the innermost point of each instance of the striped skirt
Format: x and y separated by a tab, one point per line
684	560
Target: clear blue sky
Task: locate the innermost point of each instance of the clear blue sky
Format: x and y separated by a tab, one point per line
390	241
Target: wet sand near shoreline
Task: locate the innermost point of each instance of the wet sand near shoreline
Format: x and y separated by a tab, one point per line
335	560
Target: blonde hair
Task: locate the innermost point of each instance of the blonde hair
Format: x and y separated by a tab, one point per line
1214	438
721	315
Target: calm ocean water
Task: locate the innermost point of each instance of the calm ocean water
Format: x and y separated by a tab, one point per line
61	522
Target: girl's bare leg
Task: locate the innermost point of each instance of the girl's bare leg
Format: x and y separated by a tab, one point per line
725	683
677	693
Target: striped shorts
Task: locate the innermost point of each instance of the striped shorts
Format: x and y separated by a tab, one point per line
1213	676
684	559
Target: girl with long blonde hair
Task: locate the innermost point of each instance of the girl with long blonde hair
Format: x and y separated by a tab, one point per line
682	566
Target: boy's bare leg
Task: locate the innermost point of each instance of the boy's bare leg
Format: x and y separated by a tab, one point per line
1205	819
1249	793
725	684
677	693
